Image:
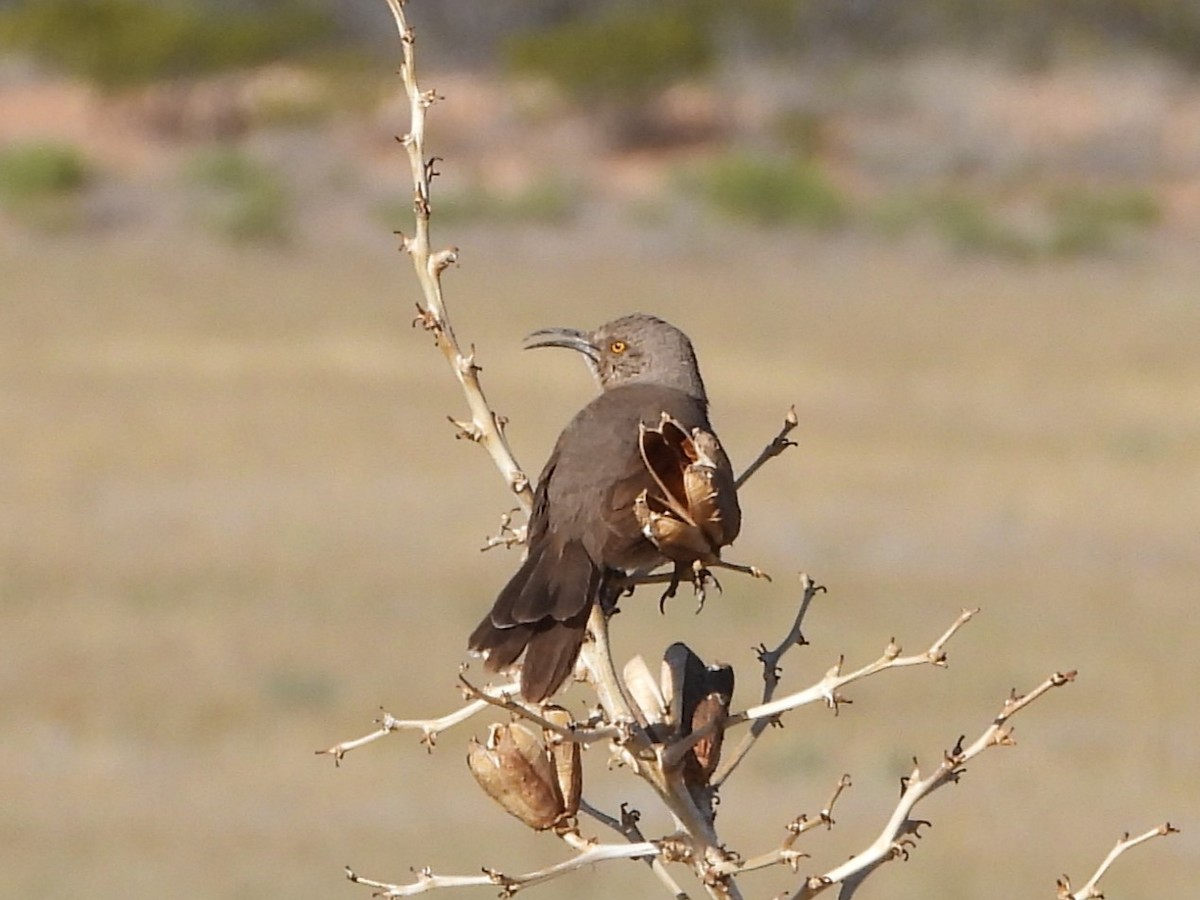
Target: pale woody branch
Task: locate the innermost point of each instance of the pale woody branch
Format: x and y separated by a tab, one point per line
505	701
901	831
507	535
508	884
627	826
770	660
485	426
826	689
778	444
429	728
1090	891
785	854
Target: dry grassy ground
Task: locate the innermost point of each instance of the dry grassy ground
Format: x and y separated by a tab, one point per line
234	523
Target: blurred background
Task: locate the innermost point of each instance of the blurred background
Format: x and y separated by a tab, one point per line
963	238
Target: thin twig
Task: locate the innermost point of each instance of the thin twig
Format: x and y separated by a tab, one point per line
506	702
429	728
770	660
508	884
901	832
627	827
507	535
778	444
826	689
784	854
1089	891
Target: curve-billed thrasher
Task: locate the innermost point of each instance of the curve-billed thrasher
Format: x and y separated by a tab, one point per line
637	479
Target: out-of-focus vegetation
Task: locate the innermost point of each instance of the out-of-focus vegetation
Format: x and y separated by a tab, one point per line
770	113
770	192
118	43
40	183
1030	31
591	48
1024	30
1072	221
33	171
619	57
242	200
1087	221
621	51
616	62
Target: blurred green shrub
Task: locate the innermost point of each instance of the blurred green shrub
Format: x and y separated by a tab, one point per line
1069	222
623	56
118	43
1091	220
968	223
40	183
1024	31
770	192
243	201
35	170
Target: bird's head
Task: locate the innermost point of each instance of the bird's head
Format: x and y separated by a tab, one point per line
633	348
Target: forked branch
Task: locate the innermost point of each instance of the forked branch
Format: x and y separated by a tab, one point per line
429	728
770	660
901	832
826	690
1090	889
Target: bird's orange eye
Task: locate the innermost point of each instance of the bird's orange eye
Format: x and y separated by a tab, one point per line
618	347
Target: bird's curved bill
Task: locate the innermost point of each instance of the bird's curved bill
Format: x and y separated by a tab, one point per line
570	338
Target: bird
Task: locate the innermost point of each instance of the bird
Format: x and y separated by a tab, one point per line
637	479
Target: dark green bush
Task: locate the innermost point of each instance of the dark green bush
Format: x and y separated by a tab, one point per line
117	43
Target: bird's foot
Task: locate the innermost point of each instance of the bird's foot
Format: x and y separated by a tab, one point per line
702	577
672	589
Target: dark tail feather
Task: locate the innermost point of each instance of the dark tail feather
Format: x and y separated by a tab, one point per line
550	656
543	612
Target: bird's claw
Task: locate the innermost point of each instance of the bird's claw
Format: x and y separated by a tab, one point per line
701	578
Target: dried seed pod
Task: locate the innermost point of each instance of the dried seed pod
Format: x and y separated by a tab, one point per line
711	709
566	759
695	511
516	771
698	698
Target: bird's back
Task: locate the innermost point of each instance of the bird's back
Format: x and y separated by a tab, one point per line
597	466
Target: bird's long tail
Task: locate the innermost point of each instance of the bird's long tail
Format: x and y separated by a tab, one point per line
542	612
